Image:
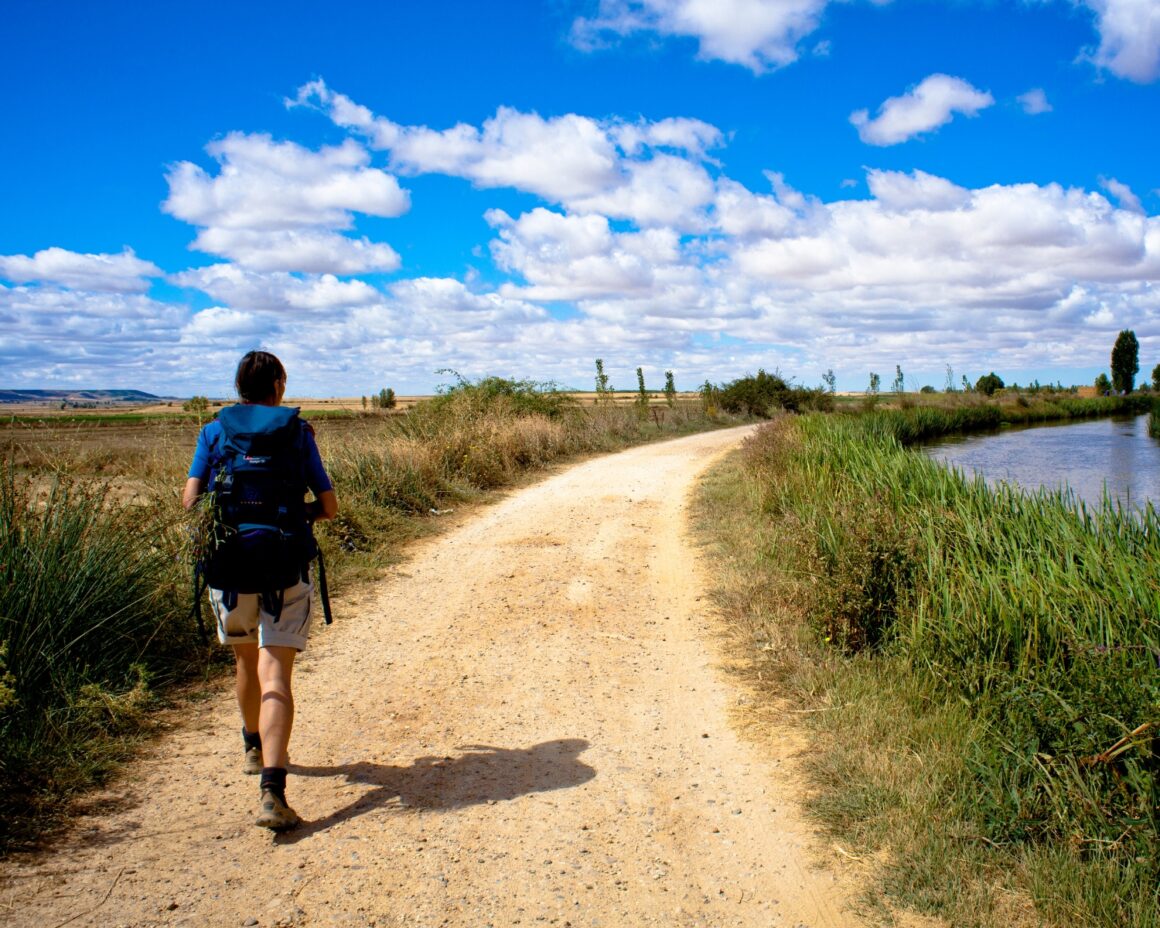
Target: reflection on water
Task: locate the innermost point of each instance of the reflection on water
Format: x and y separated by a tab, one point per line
1087	456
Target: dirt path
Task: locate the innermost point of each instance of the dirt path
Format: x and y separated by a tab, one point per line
526	724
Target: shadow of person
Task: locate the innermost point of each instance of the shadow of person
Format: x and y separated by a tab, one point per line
480	774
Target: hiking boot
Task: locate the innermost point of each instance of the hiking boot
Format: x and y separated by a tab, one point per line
275	814
253	763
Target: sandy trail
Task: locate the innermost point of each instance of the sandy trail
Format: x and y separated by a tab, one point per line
525	724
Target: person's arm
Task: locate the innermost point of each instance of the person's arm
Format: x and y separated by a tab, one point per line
198	477
323	508
325	504
193	488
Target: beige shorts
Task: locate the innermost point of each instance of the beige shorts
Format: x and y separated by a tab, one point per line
247	622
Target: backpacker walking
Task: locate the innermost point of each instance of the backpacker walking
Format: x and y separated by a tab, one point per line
257	460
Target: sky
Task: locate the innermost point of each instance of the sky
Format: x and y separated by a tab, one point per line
381	192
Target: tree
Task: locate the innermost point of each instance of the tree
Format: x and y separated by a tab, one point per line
670	389
641	394
989	383
1103	385
1125	361
388	398
1156	377
830	381
602	387
950	384
198	404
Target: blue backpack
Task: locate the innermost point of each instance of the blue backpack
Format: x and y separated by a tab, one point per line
262	541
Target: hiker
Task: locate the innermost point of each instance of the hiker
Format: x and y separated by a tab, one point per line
266	629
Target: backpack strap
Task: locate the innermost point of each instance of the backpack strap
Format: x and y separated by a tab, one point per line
323	593
200	584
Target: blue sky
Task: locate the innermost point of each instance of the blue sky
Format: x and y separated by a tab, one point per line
379	191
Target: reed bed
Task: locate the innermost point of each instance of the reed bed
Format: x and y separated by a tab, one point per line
95	616
985	662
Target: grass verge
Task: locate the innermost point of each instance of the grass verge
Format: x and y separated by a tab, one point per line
978	669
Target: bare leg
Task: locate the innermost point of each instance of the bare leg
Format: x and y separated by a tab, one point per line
276	718
246	685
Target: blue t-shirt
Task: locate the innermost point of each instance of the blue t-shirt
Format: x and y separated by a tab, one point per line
212	434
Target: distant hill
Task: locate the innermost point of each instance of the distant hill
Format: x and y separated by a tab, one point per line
80	397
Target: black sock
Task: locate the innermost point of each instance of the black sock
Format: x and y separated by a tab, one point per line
274	779
251	739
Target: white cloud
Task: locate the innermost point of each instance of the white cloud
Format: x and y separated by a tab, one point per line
757	34
1129	38
931	104
580	257
742	214
649	172
279	206
241	289
222	324
1123	193
916	191
1034	102
122	273
263	184
94	328
663	191
310	251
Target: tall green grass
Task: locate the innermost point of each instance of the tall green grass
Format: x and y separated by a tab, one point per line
1030	622
89	615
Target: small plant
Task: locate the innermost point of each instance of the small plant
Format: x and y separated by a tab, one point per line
710	399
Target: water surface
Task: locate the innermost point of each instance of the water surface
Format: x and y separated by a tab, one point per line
1116	453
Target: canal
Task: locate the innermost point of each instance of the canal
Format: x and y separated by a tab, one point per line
1116	453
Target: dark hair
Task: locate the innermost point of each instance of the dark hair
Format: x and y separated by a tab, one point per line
258	372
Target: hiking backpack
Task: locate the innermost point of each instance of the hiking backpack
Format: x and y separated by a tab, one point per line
260	540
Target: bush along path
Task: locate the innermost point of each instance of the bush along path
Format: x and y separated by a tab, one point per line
525	723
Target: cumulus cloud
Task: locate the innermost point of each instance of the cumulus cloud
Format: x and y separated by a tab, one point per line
918	190
648	172
1034	102
83	328
121	273
1129	38
757	34
579	257
931	104
279	206
222	324
241	289
311	251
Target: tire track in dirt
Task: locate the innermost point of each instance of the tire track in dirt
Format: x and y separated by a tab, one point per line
524	724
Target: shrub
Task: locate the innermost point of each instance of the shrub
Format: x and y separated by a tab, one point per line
988	384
